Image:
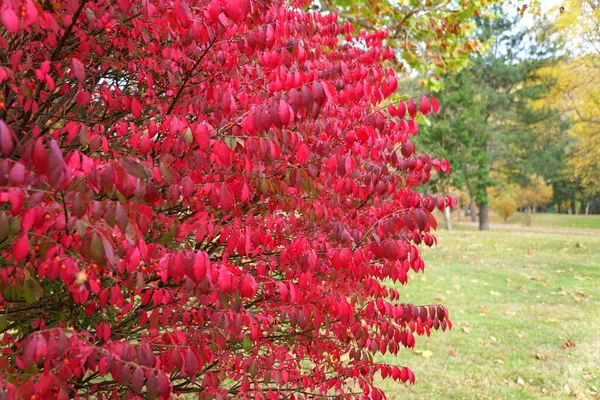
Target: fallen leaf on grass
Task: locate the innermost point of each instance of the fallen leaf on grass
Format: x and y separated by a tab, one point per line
568	344
539	356
439	297
520	381
580	278
493	338
494	293
427	353
467	329
453	353
510	313
499	361
578	395
509	280
587	377
552	320
484	310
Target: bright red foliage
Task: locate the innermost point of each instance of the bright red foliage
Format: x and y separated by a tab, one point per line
203	197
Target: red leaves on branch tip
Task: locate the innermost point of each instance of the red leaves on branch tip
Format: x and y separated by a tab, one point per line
9	18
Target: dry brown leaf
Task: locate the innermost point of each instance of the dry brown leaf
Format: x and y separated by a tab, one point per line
467	329
520	381
539	356
568	344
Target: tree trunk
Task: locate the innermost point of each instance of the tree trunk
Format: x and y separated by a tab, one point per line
587	208
484	223
528	216
447	220
472	208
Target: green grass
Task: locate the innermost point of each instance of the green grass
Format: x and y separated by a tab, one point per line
514	298
552	220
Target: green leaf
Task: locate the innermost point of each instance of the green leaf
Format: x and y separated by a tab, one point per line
134	168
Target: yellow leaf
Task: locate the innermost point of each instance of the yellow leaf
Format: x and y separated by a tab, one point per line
427	354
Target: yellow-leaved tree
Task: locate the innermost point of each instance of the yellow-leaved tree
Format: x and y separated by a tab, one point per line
576	92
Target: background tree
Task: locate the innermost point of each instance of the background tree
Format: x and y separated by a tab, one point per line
433	37
205	198
534	194
489	110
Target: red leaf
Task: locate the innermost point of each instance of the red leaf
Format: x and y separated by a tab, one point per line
9	18
201	136
78	69
285	113
6	140
283	291
224	280
190	364
445	166
40	157
213	11
435	104
21	248
58	173
226	200
233	9
17	174
425	106
401	110
407	150
163	385
412	108
136	107
342	259
248	286
137	380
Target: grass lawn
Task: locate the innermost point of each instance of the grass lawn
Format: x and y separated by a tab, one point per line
526	313
545	220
